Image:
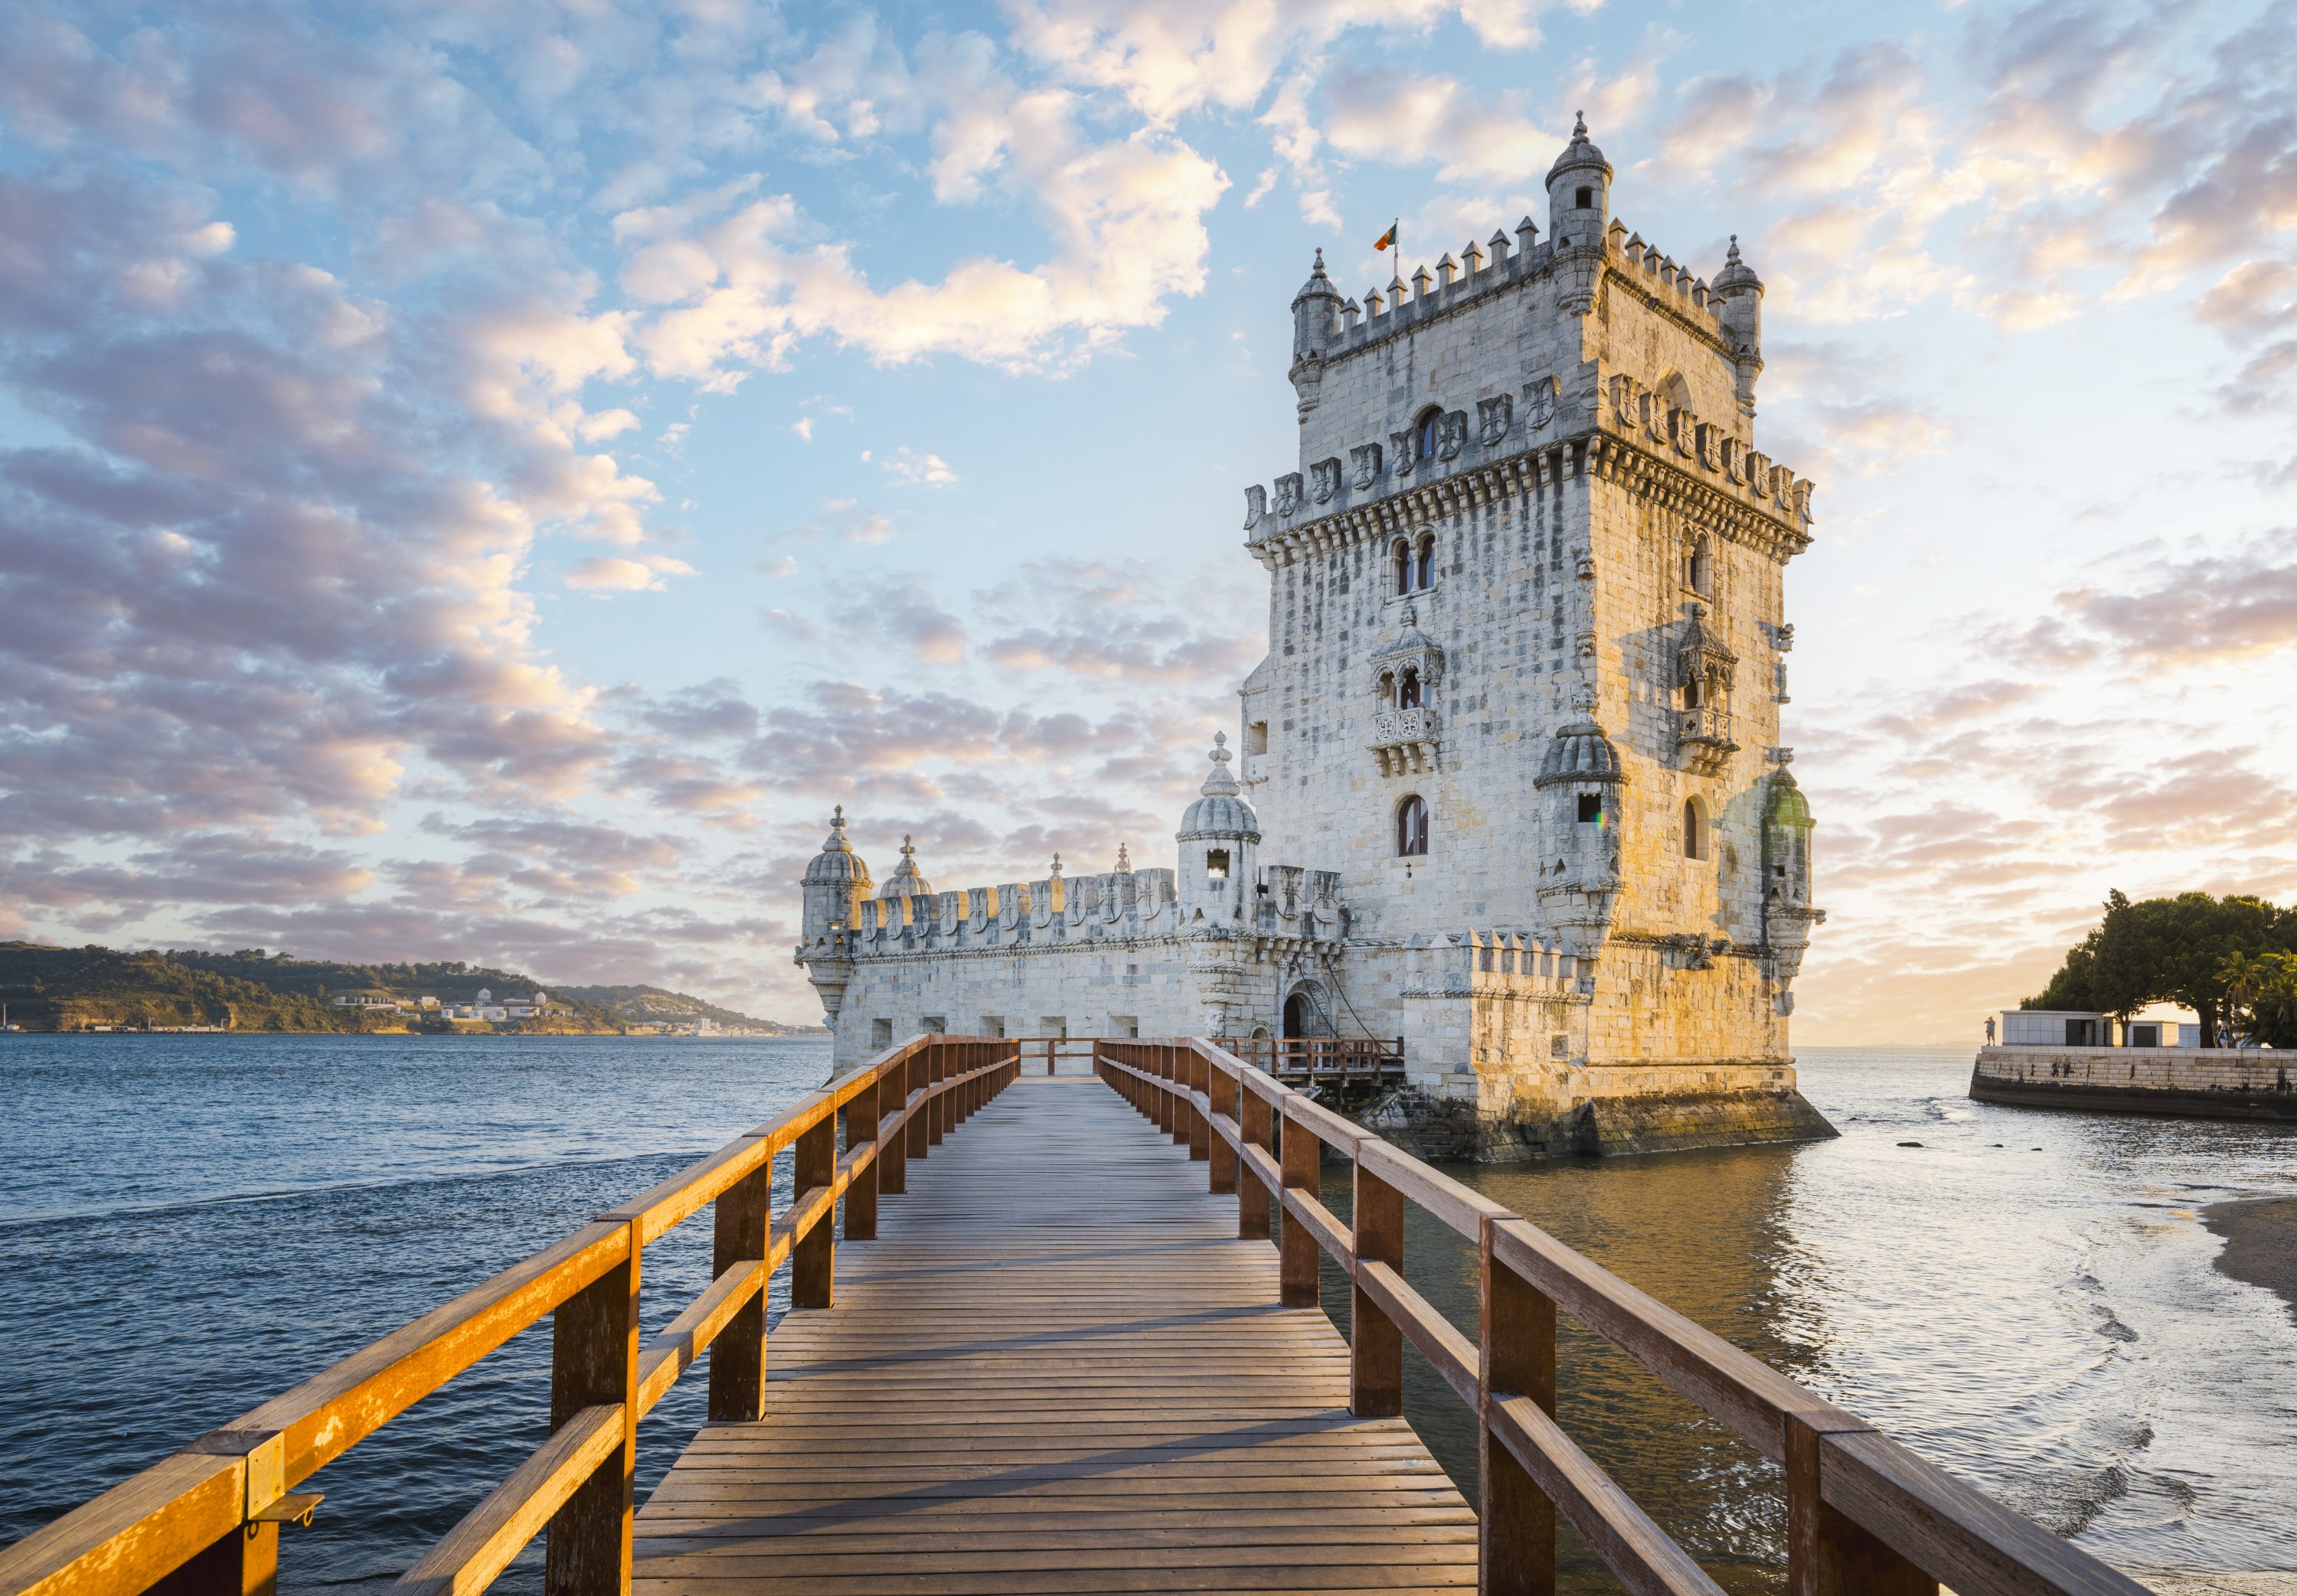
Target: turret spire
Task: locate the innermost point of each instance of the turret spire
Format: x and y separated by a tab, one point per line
1220	783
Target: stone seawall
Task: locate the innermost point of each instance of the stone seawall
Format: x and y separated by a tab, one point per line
2200	1082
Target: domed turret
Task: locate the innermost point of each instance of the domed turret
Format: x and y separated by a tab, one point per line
1315	323
1578	193
1737	299
1788	916
836	881
1222	811
906	882
1579	815
1219	843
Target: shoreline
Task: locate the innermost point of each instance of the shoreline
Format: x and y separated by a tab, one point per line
2261	1242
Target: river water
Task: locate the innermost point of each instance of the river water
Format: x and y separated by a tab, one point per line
190	1224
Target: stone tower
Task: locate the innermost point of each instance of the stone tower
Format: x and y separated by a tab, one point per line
1526	592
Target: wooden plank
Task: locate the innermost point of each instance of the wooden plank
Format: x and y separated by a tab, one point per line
1057	1368
467	1559
1633	1548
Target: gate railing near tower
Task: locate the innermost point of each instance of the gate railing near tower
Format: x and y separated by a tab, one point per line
1865	1516
1322	1059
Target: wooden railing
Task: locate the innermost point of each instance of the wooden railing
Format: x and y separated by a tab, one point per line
1051	1050
1864	1514
205	1522
1322	1058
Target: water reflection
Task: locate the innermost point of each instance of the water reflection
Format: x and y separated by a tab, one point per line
2026	1299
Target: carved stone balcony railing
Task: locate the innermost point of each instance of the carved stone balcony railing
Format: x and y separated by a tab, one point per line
1702	737
1403	740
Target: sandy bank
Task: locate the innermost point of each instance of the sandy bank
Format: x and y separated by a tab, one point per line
2261	1242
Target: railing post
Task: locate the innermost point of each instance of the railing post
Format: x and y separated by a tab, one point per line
1515	1528
861	1125
244	1562
813	1258
1298	1262
594	1359
1252	1118
1829	1554
1221	1089
936	1105
916	1077
740	1221
894	1151
1196	1075
1375	1342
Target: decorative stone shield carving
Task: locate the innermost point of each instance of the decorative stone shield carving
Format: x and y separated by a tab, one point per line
1493	417
1539	401
1324	479
1365	458
1287	493
1255	505
1399	447
1451	434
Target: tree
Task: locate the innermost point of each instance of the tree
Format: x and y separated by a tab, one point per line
2167	949
2261	996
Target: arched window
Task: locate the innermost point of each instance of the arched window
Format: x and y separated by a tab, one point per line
1690	694
1408	696
1697	566
1387	688
1424	567
1411	827
1694	829
1402	555
1427	433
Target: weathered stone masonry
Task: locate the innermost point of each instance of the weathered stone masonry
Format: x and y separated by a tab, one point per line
1516	739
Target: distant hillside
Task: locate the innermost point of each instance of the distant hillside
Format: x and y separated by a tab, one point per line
652	1005
74	989
70	988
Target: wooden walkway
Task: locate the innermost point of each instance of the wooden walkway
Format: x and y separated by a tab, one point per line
1058	1370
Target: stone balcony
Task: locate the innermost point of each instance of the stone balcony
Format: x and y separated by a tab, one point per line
1404	741
1702	739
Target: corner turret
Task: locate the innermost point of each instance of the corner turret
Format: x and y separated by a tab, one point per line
836	885
1580	814
1315	323
1220	852
1578	213
1788	916
1737	297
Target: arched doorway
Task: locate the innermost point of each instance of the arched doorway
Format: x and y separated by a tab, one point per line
1295	1016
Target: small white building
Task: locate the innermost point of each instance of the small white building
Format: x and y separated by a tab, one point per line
2091	1028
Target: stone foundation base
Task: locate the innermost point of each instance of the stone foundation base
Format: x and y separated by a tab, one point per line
1457	1133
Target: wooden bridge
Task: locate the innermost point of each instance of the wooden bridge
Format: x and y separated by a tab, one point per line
1061	1354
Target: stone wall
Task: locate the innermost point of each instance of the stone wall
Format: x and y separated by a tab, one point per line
2207	1082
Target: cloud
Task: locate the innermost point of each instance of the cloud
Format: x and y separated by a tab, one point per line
730	291
910	467
606	574
1406	119
2205	607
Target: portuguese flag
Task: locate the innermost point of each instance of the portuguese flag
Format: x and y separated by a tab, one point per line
1388	239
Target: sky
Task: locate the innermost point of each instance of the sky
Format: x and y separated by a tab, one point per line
480	480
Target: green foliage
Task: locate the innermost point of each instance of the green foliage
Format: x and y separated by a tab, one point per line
2261	996
2171	950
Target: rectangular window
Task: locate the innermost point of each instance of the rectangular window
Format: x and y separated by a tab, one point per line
993	1024
1255	738
1591	809
935	1024
1053	1025
1123	1025
881	1033
1216	864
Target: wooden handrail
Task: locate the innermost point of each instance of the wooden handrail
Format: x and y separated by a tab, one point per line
196	1518
1864	1514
